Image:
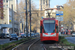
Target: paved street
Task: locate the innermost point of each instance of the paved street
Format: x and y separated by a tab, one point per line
3	41
71	39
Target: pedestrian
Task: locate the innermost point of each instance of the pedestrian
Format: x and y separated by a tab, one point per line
63	32
66	31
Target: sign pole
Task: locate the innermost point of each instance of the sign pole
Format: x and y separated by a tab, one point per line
59	25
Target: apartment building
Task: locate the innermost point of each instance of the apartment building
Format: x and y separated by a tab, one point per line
6	23
44	4
8	3
52	11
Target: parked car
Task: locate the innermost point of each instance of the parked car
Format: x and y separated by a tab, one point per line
28	34
37	34
23	35
32	34
7	35
73	34
13	37
2	35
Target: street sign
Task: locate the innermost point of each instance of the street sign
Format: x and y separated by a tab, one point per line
59	13
59	18
9	20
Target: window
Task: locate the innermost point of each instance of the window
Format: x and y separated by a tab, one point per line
46	1
43	1
7	1
3	0
6	5
10	0
58	6
49	26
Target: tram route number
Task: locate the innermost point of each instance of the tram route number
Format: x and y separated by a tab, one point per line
64	47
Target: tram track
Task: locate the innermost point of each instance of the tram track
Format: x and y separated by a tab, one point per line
24	46
54	46
32	44
36	44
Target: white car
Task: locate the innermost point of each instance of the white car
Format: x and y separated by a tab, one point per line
7	35
73	34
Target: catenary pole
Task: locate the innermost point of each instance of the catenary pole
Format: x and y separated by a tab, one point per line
30	14
26	19
12	20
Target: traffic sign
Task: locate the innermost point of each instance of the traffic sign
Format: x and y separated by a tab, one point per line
59	13
59	18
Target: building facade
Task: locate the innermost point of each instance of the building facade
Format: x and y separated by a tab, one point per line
6	23
59	7
44	4
1	9
8	3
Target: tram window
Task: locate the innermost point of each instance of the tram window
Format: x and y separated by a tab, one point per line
56	29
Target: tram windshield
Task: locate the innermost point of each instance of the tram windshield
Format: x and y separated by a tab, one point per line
49	26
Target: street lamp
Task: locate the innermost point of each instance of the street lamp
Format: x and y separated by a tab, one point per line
29	10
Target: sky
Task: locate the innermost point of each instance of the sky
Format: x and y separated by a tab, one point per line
52	3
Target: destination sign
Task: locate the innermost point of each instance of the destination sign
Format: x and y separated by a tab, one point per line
49	21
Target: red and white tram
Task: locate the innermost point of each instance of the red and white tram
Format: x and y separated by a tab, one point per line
49	29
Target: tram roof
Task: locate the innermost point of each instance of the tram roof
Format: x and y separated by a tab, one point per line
48	18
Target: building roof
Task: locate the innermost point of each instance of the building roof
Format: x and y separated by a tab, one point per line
52	9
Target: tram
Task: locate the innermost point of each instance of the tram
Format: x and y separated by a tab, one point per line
49	29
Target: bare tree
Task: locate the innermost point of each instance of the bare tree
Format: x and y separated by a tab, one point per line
69	13
22	11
